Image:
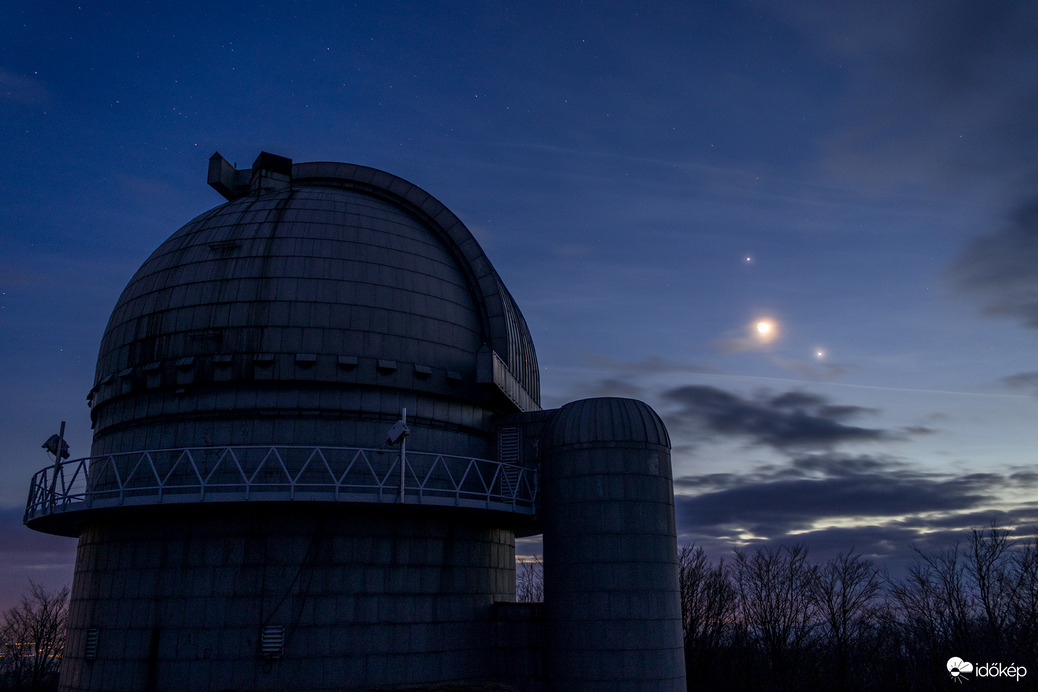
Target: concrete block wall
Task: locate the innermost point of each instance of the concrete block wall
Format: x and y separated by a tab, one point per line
518	639
179	600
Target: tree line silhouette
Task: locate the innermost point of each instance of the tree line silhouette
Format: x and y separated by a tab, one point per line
771	619
32	640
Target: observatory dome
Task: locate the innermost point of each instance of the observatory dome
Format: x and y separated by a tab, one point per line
317	433
318	291
606	420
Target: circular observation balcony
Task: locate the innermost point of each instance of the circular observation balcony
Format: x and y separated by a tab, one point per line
61	496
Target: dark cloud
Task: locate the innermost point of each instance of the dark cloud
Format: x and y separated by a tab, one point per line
919	430
879	506
834	466
1023	380
792	420
620	378
990	62
797	400
786	506
943	93
945	96
1025	476
998	269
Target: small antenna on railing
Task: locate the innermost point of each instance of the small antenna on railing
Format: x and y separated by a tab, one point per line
55	444
399	433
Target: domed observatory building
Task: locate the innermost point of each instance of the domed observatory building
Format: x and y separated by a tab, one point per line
317	433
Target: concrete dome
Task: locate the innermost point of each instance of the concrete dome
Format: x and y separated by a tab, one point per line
329	276
607	420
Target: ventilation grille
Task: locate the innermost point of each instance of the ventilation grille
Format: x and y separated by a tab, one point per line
91	644
508	444
272	641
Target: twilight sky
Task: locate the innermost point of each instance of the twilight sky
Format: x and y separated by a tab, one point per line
651	180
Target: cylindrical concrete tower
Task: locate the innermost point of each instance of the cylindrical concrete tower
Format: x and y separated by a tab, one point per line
248	518
613	613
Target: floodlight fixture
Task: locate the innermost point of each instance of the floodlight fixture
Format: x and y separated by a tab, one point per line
51	445
397	433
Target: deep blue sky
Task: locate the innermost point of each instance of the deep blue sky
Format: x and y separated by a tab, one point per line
650	180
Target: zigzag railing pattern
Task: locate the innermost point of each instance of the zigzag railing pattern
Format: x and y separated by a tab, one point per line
228	474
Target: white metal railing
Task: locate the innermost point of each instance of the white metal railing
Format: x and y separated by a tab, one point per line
227	474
